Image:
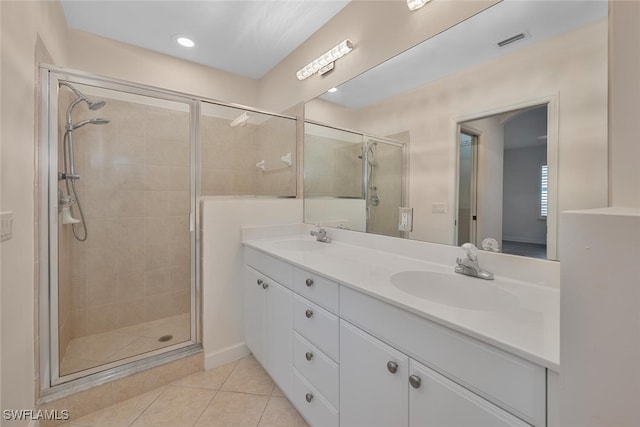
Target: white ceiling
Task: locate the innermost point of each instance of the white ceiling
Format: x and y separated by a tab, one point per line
471	42
243	37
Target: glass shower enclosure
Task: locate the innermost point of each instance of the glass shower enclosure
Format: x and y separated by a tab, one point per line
118	175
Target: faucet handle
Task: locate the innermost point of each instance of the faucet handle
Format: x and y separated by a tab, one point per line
471	250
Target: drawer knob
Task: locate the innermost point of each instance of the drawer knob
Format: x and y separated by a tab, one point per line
309	355
308	397
265	285
260	282
308	313
392	367
309	282
415	381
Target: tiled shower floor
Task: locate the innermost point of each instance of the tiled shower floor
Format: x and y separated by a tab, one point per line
94	350
238	394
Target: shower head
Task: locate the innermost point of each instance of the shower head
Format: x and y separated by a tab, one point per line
96	105
93	105
96	121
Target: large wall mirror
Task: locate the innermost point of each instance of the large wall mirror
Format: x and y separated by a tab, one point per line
503	118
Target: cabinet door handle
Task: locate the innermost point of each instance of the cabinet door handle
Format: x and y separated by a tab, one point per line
308	397
308	313
309	355
265	285
392	367
260	282
415	381
309	282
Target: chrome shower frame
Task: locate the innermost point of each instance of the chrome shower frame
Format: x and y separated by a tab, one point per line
52	385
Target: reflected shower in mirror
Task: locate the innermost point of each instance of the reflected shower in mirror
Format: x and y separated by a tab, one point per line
462	75
352	181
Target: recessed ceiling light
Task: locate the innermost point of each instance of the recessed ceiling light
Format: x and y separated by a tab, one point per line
333	90
185	41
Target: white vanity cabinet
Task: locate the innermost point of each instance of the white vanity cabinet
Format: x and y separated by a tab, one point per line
380	387
269	322
349	359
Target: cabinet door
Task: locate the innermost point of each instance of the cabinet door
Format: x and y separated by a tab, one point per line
278	345
254	313
437	401
373	381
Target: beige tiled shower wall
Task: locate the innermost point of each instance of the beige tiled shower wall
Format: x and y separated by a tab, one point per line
134	189
230	154
332	167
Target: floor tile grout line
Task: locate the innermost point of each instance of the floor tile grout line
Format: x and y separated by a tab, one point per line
264	410
205	407
150	403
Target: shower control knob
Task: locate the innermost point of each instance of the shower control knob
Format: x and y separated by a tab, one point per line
308	397
308	313
392	367
265	285
308	355
260	281
309	282
415	381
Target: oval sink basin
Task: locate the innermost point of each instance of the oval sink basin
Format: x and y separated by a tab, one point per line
299	245
454	290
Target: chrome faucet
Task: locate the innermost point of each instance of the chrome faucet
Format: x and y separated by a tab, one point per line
321	234
469	265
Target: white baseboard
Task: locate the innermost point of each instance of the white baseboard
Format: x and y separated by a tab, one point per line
225	355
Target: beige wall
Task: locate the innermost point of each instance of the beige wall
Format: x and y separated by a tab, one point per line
22	23
101	56
624	96
578	81
378	29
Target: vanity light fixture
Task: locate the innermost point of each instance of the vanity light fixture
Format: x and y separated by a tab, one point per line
416	4
333	90
241	120
324	63
184	41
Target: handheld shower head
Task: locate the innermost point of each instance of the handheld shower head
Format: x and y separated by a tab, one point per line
95	121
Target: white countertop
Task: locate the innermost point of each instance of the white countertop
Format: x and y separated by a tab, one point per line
530	328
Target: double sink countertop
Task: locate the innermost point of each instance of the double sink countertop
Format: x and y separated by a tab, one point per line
519	317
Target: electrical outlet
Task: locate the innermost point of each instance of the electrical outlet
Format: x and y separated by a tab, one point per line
405	219
6	226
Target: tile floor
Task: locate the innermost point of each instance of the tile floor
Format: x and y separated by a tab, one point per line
98	349
238	394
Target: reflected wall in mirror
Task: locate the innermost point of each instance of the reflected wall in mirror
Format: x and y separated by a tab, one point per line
462	75
503	189
352	180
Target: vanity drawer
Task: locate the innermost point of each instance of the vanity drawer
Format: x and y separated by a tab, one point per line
510	382
311	404
316	367
316	325
276	269
318	289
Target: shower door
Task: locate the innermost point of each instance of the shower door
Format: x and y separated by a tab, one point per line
385	186
121	209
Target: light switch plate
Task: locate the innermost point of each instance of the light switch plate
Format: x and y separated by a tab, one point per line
439	208
405	219
6	226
